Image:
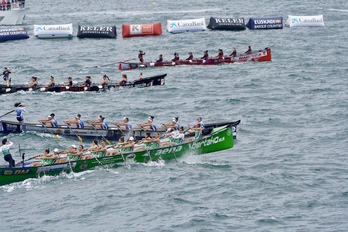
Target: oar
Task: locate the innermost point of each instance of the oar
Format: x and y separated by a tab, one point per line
7	113
55	136
80	139
101	135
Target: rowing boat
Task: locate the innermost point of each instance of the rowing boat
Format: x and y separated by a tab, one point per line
259	56
220	138
144	82
88	132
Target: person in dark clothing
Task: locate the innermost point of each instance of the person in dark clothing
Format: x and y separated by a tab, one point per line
190	56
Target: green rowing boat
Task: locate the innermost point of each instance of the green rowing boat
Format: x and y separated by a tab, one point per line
220	138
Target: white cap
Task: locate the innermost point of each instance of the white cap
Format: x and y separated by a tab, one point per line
56	150
49	116
174	120
73	146
131	138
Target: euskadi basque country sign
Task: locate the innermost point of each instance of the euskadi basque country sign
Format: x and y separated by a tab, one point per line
96	32
13	34
232	24
265	23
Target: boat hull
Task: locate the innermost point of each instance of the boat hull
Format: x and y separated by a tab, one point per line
145	82
259	56
222	139
112	133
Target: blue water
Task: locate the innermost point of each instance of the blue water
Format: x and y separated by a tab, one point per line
288	169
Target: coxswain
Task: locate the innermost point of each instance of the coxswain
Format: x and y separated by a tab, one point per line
141	56
190	56
33	82
205	56
50	121
249	51
220	54
123	81
176	57
51	83
87	82
234	53
5	149
6	73
100	122
19	112
160	59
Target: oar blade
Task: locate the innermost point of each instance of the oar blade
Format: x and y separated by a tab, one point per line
80	139
108	142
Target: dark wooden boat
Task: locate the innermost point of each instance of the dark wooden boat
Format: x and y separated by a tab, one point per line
144	82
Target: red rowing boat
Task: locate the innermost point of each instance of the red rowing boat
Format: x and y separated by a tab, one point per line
259	56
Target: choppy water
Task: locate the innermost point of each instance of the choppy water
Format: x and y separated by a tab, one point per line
288	169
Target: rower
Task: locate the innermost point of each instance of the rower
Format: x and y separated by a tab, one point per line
249	51
123	81
69	83
160	59
173	125
45	159
205	56
51	83
140	77
149	125
124	125
175	137
76	122
87	82
33	82
50	121
176	57
122	147
100	122
220	54
234	53
117	147
190	56
141	56
105	81
71	155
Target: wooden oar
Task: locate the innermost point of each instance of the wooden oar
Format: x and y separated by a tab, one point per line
80	139
7	113
101	135
55	136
